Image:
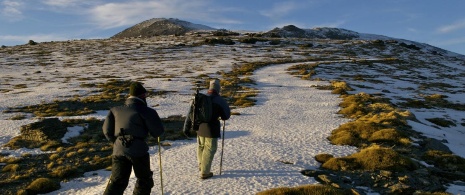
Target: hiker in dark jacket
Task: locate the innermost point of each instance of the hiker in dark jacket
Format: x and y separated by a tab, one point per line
208	133
127	127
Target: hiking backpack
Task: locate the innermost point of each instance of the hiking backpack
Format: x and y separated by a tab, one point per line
201	110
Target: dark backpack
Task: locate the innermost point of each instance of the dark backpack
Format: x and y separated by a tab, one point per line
202	110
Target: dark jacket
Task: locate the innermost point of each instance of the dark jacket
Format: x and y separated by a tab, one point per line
220	109
137	121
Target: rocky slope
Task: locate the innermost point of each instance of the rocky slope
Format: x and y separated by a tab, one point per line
160	26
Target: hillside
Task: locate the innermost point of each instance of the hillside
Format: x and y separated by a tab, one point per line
286	93
160	26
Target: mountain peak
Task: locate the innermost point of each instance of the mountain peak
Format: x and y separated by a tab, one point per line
160	26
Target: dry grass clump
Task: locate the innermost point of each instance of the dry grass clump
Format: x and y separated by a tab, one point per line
18	142
18	117
354	133
360	133
306	71
370	159
388	118
354	106
444	160
322	158
305	190
64	171
54	156
433	193
9	160
376	121
341	85
441	122
50	145
389	135
430	101
10	168
42	186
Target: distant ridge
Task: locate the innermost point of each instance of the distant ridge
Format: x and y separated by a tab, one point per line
160	26
292	31
172	26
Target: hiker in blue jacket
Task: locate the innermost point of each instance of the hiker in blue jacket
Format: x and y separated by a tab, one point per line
127	127
208	133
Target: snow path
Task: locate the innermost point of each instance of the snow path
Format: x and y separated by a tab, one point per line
265	147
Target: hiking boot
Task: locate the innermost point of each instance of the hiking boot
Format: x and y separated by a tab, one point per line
206	176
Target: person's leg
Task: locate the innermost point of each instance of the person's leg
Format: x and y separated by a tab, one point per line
143	173
200	148
210	147
120	171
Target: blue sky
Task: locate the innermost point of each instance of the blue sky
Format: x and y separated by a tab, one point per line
439	23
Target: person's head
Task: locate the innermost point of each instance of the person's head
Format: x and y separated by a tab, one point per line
136	89
215	85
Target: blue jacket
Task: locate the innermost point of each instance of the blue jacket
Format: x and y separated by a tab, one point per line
136	120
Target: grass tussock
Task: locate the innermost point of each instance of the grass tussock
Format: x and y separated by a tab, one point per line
18	117
322	158
370	159
305	190
63	172
10	168
441	122
376	121
10	160
432	101
42	186
444	160
340	85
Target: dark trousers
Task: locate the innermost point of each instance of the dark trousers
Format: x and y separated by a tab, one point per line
121	170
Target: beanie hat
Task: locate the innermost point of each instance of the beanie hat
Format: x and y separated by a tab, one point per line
215	84
136	89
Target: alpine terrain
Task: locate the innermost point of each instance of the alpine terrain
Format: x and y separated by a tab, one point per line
315	111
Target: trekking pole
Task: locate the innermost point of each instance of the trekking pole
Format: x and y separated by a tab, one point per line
222	147
161	171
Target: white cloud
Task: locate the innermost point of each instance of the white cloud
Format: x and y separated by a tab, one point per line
11	10
335	24
280	9
449	42
62	3
70	3
413	30
112	15
452	27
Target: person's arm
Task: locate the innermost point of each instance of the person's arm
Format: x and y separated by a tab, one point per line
154	124
188	122
225	110
109	127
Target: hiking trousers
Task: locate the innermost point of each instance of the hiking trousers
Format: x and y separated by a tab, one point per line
121	171
205	152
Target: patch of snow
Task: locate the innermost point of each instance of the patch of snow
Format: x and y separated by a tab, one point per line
73	132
